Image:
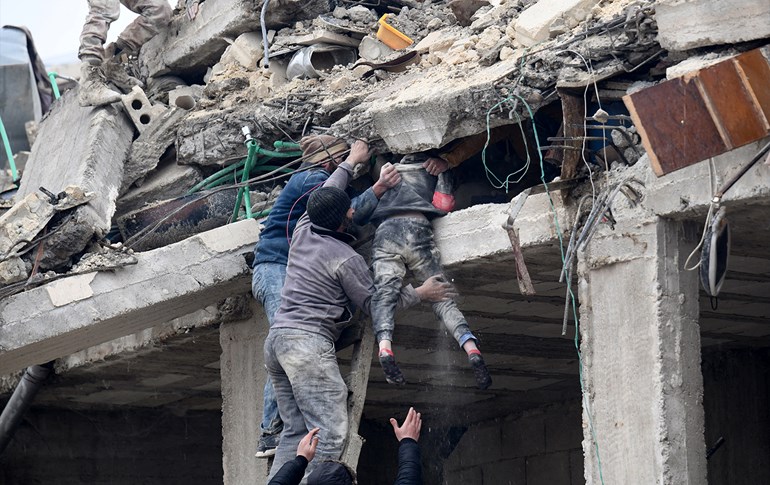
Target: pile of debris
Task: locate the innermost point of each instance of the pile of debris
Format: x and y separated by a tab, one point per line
526	87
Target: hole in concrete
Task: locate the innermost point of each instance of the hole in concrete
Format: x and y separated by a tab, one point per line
185	101
144	119
136	104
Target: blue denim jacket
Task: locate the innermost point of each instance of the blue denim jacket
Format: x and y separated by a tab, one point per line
273	245
326	278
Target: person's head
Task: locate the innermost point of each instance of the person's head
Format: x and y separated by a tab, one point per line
328	151
329	208
331	473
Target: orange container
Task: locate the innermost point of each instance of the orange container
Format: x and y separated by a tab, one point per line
391	37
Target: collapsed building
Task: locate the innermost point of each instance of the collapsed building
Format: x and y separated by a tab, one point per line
590	139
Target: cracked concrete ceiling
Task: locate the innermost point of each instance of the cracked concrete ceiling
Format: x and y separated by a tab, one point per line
531	362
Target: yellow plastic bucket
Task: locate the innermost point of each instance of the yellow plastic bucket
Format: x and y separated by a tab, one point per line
391	37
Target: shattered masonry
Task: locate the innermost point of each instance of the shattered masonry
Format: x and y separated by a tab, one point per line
124	259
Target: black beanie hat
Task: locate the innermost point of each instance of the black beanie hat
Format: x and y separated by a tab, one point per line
329	473
327	207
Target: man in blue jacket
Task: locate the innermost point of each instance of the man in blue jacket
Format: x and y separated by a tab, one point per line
272	251
325	280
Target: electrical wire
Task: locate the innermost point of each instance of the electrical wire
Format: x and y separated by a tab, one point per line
586	403
709	216
266	178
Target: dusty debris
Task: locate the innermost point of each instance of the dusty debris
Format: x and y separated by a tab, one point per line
22	225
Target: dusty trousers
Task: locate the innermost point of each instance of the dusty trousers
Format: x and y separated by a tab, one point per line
153	16
402	243
310	392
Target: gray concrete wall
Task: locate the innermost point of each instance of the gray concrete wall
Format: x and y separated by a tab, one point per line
243	379
538	447
77	312
737	404
125	447
641	355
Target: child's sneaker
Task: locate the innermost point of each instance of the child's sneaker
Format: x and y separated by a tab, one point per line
392	373
267	445
480	371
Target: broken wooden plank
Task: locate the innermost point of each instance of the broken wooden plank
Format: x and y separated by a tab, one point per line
358	381
755	71
573	114
731	105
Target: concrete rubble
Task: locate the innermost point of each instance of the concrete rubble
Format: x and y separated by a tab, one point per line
124	231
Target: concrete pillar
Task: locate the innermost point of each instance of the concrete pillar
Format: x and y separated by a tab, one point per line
243	379
641	356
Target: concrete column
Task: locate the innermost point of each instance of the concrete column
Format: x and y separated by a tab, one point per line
243	379
641	356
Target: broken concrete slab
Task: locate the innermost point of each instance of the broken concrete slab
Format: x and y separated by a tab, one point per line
147	150
24	221
689	24
85	147
246	51
168	180
420	113
189	47
76	313
533	25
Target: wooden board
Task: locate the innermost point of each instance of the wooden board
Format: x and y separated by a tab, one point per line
704	113
755	71
731	105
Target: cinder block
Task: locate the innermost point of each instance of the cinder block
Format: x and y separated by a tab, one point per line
577	476
464	477
524	437
480	444
549	469
564	429
508	472
139	108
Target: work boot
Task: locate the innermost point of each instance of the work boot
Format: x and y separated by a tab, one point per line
93	90
115	71
480	371
392	373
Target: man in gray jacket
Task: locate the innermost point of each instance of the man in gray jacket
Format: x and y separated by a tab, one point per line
325	280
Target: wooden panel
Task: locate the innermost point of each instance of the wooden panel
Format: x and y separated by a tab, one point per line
675	125
755	70
704	113
731	104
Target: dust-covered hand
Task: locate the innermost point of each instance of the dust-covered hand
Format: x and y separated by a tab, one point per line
435	166
436	289
308	444
389	178
410	428
359	153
